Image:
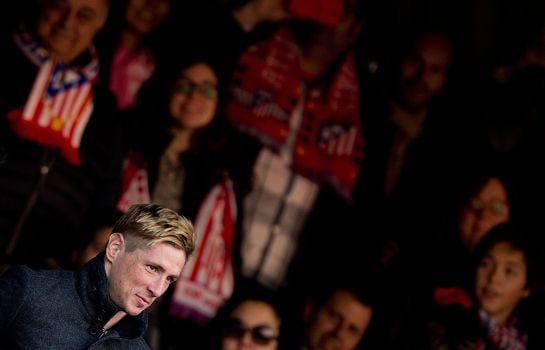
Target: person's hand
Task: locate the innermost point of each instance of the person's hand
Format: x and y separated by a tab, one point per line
258	11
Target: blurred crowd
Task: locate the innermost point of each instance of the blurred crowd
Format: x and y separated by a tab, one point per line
349	189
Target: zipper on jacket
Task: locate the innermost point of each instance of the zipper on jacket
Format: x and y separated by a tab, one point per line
103	332
46	163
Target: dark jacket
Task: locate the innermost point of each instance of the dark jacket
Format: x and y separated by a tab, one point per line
59	199
54	309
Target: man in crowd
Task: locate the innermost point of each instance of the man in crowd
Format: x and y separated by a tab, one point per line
103	305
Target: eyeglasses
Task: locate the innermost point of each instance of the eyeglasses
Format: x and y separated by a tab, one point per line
496	207
261	334
186	86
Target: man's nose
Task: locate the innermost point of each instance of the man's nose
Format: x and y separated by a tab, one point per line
339	330
157	287
494	275
69	19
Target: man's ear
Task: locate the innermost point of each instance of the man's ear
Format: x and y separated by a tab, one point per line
116	244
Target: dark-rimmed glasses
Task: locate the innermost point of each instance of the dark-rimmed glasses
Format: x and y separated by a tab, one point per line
186	86
260	334
494	206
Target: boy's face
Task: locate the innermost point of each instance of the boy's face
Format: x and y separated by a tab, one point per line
500	281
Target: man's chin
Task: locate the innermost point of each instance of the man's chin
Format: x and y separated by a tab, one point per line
135	311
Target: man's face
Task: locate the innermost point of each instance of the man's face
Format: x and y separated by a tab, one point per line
339	324
67	27
424	71
139	277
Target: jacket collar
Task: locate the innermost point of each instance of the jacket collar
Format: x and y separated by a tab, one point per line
92	285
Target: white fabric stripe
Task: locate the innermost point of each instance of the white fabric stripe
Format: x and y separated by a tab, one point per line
38	90
216	257
58	101
200	225
81	123
69	106
197	297
68	103
45	115
352	134
207	254
341	144
81	99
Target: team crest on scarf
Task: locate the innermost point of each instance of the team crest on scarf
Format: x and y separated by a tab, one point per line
60	102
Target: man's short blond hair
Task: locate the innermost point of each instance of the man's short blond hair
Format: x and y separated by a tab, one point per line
145	225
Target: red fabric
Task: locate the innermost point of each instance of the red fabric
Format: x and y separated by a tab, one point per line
59	104
134	184
266	90
208	280
452	295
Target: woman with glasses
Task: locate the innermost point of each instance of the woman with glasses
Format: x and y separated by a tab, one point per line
486	200
179	158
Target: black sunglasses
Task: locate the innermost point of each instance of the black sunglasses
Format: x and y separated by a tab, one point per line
261	334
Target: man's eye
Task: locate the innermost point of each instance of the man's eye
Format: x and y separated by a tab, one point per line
86	16
152	268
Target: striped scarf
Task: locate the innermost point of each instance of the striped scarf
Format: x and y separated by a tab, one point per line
60	102
267	87
207	280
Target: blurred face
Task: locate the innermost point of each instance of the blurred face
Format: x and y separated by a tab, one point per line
424	71
252	325
67	27
144	16
487	209
339	38
194	97
339	324
501	281
139	277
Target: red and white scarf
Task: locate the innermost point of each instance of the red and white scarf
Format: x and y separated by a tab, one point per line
134	183
503	336
60	102
266	89
207	280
